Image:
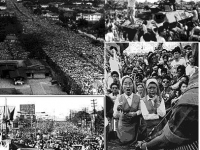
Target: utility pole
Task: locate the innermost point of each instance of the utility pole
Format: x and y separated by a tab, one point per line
70	115
94	104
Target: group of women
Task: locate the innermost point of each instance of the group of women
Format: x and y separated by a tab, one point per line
148	95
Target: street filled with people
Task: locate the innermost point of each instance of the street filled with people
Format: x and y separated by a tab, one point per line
72	52
64	136
152	97
126	25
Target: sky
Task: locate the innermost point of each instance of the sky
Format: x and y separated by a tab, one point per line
54	105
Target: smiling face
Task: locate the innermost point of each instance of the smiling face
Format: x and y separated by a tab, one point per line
152	90
127	86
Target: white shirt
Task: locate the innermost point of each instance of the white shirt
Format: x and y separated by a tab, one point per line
129	99
131	3
114	64
109	37
190	70
160	39
175	64
160	110
195	15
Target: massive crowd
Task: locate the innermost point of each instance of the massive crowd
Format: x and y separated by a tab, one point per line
119	28
65	136
73	53
147	90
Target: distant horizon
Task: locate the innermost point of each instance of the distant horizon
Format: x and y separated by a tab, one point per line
58	107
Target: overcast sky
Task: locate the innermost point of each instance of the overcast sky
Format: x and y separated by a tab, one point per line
58	106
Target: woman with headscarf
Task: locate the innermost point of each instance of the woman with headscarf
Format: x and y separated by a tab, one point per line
128	112
152	106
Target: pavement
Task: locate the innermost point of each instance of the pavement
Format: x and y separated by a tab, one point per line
31	87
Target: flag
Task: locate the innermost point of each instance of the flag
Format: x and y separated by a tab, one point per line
8	113
11	113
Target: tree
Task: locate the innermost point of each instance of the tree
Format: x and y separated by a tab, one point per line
99	27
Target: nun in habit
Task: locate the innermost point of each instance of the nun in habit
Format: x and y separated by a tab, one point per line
153	107
128	112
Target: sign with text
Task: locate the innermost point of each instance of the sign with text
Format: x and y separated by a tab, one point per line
27	109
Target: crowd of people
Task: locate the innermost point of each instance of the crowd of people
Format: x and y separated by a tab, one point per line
72	52
10	51
65	136
149	97
119	27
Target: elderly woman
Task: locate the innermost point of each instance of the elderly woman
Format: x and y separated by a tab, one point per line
128	112
152	106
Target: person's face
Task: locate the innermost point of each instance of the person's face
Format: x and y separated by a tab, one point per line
139	71
122	62
115	77
152	90
129	71
176	55
183	87
163	73
183	52
143	66
114	89
155	59
127	86
179	73
155	68
183	79
140	88
191	60
165	83
138	79
165	59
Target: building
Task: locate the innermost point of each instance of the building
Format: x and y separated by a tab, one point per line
53	16
6	67
11	38
67	11
36	68
30	68
55	4
89	17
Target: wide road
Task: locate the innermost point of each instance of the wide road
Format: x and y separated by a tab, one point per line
74	54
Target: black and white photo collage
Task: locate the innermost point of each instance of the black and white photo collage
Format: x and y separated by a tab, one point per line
99	74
